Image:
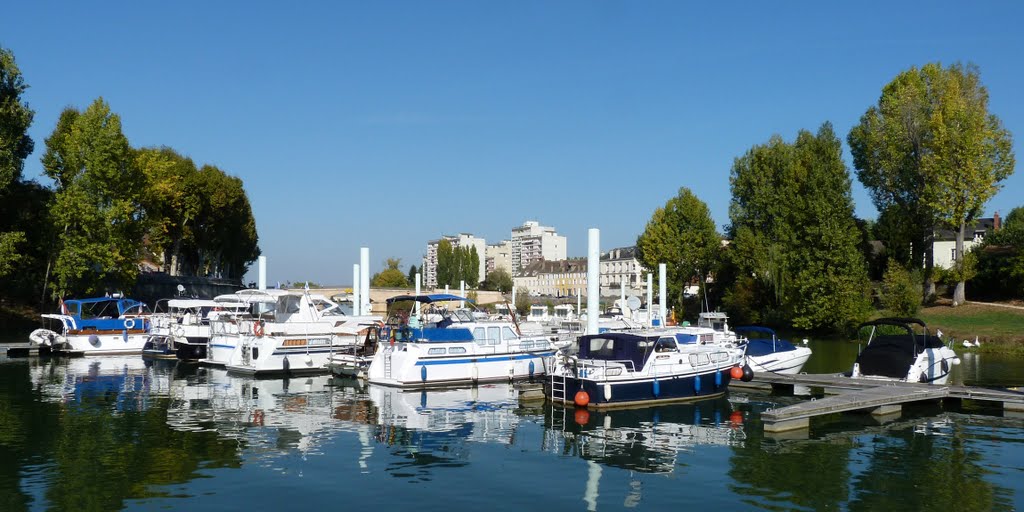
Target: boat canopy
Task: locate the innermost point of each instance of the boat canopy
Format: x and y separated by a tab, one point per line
103	307
617	346
427	298
891	353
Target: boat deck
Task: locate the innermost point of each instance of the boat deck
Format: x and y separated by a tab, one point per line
880	398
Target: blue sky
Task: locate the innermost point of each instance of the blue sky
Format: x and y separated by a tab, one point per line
387	124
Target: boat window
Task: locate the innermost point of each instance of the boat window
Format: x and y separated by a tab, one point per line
665	345
288	304
526	345
479	335
542	345
601	347
435	351
463	315
507	334
72	309
720	356
707	338
456	350
493	335
699	359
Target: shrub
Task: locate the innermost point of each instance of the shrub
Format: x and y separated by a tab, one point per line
901	294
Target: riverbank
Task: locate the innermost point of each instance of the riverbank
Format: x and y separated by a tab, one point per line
998	328
16	318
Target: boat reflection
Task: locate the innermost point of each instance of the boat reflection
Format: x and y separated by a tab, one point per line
127	383
647	439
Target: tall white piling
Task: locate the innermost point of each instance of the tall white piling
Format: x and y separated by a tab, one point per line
261	280
513	297
593	277
579	303
462	293
622	295
662	306
650	299
364	280
357	301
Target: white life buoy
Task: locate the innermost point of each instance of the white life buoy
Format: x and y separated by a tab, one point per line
129	323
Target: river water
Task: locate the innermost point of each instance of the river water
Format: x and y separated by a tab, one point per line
120	433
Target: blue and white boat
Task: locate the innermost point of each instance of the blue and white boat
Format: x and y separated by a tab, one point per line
442	347
769	353
96	326
620	369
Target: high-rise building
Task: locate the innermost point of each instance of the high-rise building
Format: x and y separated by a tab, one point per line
532	242
499	255
461	240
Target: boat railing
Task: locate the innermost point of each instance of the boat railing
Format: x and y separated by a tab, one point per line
602	367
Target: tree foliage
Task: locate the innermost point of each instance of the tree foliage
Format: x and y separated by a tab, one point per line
412	273
172	200
15	146
391	276
900	295
929	151
456	264
97	206
795	239
682	235
1000	260
224	230
498	280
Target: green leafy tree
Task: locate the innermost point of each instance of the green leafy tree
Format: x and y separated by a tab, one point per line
471	269
412	273
97	206
929	151
522	304
682	235
498	280
794	232
968	154
445	262
223	235
900	294
391	276
171	201
15	146
1000	260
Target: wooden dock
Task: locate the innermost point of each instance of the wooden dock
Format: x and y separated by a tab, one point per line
879	398
23	349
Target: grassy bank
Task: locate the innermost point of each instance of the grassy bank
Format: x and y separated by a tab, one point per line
997	328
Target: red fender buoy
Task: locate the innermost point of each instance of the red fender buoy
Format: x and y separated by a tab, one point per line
582	398
736	372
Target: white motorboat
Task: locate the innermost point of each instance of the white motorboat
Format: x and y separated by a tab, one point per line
181	327
772	354
898	351
288	332
96	326
449	348
616	369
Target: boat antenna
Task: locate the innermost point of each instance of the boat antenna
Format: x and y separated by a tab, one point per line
512	311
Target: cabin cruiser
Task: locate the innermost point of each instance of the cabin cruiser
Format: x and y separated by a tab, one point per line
285	332
896	350
439	347
615	369
181	328
96	326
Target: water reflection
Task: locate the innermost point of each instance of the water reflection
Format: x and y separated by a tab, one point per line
101	433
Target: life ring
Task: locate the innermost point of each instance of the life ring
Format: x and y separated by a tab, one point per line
129	323
257	329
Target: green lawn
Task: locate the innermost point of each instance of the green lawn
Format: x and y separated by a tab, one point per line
996	325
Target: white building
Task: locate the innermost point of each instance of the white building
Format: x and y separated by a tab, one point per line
944	244
429	270
532	242
566	278
499	256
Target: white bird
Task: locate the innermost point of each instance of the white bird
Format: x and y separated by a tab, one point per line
976	342
967	344
938	333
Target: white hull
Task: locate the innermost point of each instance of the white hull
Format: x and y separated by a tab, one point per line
103	344
785	363
438	364
932	366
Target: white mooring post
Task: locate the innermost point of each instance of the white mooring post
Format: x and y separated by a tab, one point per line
261	280
364	280
662	307
593	278
357	300
650	298
417	293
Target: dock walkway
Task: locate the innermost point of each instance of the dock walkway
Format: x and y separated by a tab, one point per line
881	398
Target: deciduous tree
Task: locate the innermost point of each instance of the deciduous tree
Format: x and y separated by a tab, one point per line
15	146
391	276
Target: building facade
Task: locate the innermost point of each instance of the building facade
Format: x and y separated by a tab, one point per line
567	278
532	242
499	255
944	245
429	269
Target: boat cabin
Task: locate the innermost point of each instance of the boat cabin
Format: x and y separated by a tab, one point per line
632	349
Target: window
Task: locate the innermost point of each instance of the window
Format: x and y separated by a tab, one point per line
665	345
493	335
479	335
456	350
952	255
601	347
507	334
436	352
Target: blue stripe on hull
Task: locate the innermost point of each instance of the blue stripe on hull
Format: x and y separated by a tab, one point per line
669	388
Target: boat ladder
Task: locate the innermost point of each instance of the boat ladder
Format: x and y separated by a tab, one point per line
557	387
387	364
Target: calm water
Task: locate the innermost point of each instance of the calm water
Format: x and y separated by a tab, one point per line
120	433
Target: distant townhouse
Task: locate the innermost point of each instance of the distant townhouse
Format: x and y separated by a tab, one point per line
532	242
567	278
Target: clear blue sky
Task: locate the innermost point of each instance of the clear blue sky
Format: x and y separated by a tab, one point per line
387	124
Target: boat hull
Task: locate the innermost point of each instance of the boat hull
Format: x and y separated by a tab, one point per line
410	366
103	343
644	391
786	363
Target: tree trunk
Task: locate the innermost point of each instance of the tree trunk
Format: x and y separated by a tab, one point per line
929	266
175	250
959	294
